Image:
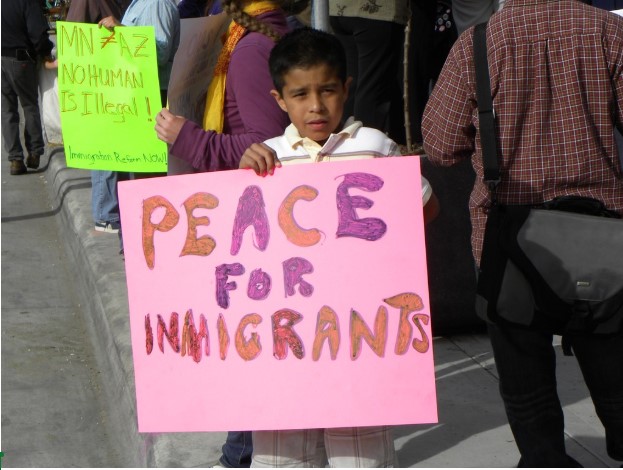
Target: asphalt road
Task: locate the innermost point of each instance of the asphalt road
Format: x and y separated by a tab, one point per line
52	413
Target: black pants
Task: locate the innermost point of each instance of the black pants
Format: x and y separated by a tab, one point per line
373	59
526	364
20	82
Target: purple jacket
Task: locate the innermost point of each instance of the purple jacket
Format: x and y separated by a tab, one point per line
251	114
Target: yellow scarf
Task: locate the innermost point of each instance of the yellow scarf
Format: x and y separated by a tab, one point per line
215	102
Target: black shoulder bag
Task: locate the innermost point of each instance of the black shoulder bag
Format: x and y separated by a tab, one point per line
555	267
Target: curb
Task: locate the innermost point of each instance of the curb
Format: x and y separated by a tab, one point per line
100	274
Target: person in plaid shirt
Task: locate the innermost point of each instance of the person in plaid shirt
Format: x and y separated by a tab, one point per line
556	70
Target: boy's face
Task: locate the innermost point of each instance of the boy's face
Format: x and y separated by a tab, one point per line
314	100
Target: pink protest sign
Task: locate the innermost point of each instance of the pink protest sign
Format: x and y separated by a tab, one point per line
298	300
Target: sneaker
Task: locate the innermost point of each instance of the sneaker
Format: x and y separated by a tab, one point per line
108	227
18	167
32	161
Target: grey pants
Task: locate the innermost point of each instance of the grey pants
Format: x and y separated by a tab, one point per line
20	82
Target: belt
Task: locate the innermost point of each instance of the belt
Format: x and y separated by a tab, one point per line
17	53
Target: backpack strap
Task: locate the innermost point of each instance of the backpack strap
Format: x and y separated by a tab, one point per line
486	113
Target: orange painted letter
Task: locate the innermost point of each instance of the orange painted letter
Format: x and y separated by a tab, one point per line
248	350
291	229
327	327
223	336
170	219
407	303
359	330
421	345
204	245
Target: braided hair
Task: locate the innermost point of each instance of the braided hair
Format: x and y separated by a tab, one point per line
234	9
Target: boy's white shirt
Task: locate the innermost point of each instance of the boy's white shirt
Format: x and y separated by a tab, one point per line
353	142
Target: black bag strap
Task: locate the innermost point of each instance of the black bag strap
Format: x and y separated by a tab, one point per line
486	113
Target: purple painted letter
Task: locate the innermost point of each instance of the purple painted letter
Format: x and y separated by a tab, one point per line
259	285
349	225
293	270
250	212
222	286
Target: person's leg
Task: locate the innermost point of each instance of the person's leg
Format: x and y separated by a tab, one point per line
104	199
286	449
237	450
526	365
27	89
366	447
600	360
379	46
421	53
10	112
344	33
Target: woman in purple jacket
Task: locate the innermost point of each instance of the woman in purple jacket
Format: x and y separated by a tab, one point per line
239	110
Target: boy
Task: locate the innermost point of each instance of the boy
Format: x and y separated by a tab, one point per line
309	73
314	97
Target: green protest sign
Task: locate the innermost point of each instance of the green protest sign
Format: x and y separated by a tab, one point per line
109	95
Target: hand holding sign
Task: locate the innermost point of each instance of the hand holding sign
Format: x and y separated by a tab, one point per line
168	126
50	64
259	158
109	22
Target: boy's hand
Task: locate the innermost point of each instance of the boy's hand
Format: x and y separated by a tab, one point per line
168	125
260	158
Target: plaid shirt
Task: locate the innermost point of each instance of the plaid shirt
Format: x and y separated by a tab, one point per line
556	70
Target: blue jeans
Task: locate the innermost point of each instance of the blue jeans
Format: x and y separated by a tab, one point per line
237	450
526	364
104	199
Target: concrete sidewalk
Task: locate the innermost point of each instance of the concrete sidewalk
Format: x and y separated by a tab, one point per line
472	429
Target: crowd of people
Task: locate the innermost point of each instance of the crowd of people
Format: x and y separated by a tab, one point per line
556	71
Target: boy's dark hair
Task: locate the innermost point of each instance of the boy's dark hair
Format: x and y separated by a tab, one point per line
304	48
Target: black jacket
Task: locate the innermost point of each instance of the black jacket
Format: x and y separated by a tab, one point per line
24	27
